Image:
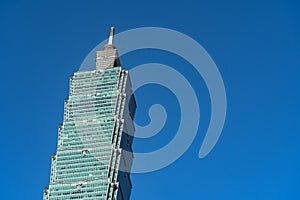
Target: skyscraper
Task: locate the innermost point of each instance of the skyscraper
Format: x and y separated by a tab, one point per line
94	155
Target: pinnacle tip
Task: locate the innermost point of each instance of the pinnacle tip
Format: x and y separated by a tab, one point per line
112	31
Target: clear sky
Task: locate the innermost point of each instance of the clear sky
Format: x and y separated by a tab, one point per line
255	45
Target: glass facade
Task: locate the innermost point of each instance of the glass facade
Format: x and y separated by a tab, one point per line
94	155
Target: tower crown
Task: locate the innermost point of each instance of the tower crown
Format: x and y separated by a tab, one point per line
108	57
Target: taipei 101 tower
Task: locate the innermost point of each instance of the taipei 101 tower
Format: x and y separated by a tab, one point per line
97	130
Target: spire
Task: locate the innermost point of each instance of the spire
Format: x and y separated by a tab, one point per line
108	57
109	44
111	36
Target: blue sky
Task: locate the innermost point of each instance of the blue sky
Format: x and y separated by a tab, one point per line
255	45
